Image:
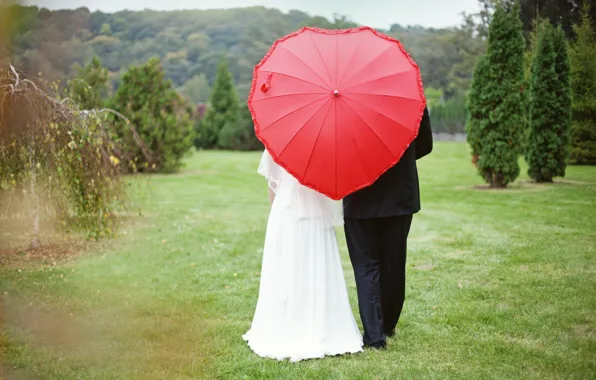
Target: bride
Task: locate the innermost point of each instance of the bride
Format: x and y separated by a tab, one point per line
303	311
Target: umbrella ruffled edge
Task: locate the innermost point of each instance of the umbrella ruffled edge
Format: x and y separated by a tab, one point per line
333	32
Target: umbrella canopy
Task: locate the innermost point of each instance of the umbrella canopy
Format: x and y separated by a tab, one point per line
336	108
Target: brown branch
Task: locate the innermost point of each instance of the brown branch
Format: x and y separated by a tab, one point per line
135	134
16	74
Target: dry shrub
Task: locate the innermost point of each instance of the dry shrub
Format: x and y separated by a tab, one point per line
57	163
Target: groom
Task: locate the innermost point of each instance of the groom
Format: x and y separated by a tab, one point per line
377	223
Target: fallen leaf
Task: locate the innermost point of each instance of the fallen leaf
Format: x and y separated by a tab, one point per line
459	285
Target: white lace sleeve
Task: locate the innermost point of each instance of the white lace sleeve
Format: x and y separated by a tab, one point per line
270	170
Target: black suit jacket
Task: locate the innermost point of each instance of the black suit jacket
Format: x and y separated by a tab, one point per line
397	191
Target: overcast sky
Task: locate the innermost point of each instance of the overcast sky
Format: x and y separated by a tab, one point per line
375	13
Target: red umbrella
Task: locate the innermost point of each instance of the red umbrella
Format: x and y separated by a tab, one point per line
336	108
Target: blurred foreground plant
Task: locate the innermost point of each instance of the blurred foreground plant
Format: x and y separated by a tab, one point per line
56	160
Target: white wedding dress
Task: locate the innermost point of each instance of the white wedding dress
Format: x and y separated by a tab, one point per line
303	311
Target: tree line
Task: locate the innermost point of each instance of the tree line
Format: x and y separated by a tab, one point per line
191	44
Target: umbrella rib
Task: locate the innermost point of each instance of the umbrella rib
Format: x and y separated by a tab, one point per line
322	60
376	79
284	95
385	95
382	114
354	137
336	70
289	113
365	66
350	60
335	108
315	144
297	78
371	129
299	130
305	64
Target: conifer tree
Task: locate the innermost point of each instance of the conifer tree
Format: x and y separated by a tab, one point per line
544	140
160	132
583	87
477	116
222	109
503	100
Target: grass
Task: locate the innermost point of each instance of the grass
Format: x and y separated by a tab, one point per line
501	285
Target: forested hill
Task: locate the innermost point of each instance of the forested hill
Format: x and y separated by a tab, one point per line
191	43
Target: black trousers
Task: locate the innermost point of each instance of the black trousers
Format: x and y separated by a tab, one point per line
378	253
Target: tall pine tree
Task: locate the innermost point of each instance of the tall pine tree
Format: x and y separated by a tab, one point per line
583	86
564	105
222	109
547	141
532	45
503	98
477	115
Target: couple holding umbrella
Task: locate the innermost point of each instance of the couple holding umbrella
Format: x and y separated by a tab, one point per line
343	116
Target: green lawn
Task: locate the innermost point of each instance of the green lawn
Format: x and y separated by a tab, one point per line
501	285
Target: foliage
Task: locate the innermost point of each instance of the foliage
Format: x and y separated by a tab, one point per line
241	135
549	106
433	96
558	12
191	42
159	132
90	87
449	116
56	162
532	45
478	108
583	85
470	41
479	22
501	134
563	94
222	111
530	53
196	90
